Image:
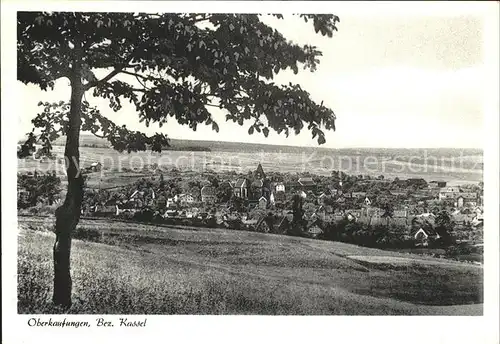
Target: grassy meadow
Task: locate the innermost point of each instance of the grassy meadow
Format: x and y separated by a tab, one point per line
124	268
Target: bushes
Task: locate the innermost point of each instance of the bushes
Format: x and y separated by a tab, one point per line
34	189
378	236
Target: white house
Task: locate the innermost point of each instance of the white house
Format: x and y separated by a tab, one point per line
170	202
262	202
477	220
422	236
170	213
184	199
280	187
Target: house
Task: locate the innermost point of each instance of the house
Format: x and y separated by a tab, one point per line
95	167
314	231
451	189
293	186
437	184
146	197
126	208
187	199
400	213
184	199
478	221
449	193
351	217
280	196
262	202
106	210
307	183
462	219
240	188
367	201
466	199
256	188
271	198
170	202
320	198
373	211
279	187
170	213
423	235
22	191
194	211
358	195
249	222
208	194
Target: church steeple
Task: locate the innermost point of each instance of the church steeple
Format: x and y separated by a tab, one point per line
259	172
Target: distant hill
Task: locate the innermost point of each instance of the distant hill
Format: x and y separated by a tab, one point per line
401	154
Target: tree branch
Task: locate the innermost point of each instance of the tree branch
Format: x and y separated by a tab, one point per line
103	80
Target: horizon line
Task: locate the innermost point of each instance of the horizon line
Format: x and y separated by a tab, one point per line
298	146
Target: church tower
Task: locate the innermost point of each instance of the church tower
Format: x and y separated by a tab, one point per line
259	172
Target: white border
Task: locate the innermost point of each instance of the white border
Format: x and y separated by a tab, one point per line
175	329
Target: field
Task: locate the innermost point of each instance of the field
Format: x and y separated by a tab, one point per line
130	268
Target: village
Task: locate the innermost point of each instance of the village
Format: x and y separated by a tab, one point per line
264	202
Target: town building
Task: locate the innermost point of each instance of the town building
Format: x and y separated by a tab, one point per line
358	194
437	184
262	202
279	187
106	210
184	199
208	194
453	195
256	188
423	235
240	188
307	184
259	172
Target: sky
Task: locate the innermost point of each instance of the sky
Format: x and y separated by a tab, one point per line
392	81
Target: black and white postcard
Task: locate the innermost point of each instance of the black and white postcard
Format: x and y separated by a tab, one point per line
250	160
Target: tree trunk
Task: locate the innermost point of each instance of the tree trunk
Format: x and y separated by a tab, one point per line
68	214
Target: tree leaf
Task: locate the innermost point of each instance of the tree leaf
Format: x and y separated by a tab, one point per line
265	131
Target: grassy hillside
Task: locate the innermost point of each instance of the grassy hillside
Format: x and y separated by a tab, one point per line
141	269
